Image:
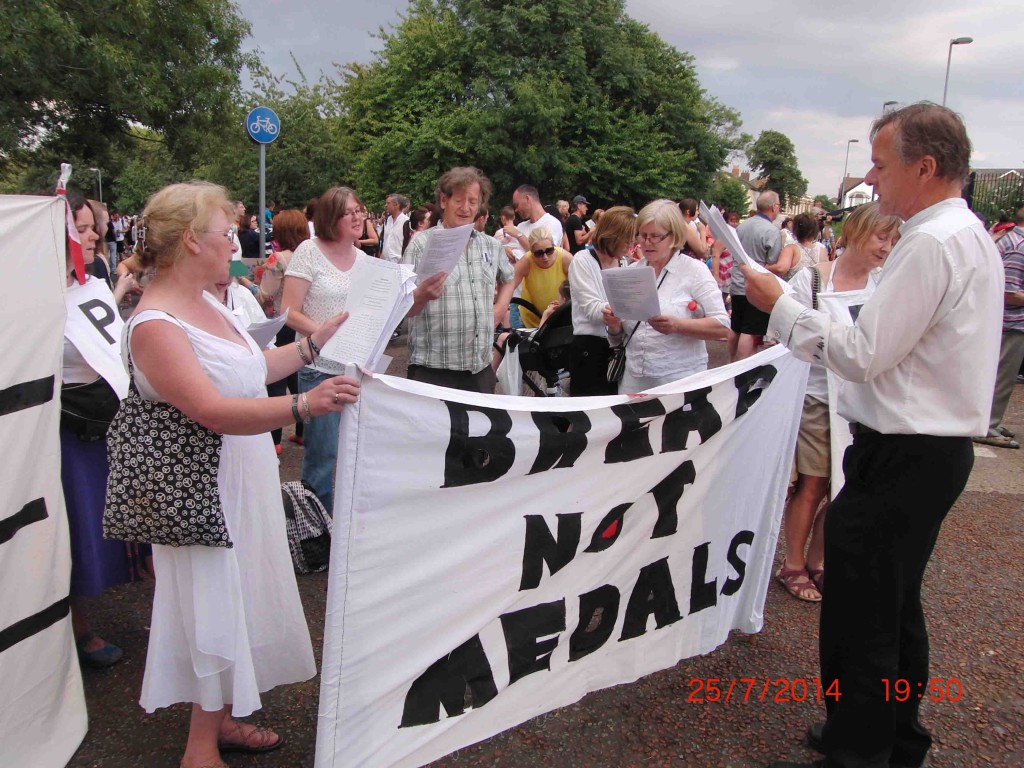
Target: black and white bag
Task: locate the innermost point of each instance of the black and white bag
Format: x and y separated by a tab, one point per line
309	527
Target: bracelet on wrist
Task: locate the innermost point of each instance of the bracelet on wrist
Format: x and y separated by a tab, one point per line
305	407
295	408
314	350
302	354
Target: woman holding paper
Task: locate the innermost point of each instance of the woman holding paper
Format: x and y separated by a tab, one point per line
227	622
316	287
669	346
613	240
870	236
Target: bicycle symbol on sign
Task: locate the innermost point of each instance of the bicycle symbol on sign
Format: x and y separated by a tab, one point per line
263	124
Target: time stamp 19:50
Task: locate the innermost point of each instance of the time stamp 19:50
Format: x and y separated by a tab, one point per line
713	690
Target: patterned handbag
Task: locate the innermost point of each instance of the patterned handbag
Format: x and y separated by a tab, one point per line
162	486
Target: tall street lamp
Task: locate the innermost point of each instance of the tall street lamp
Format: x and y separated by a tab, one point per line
99	177
842	186
949	57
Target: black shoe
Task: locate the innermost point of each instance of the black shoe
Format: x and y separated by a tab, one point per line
788	764
816	737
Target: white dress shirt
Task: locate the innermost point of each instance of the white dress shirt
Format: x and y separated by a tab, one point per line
588	298
650	354
392	250
921	358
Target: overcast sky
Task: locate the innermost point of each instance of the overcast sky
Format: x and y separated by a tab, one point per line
818	73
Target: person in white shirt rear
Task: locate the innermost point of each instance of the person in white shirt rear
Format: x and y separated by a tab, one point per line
918	369
393	233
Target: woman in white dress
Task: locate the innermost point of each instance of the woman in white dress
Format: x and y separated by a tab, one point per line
227	622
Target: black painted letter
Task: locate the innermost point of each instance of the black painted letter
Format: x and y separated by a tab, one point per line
732	586
653	594
541	547
445	683
633	441
527	653
470	460
560	446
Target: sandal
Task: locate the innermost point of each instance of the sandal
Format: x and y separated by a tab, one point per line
818	577
798	584
257	740
103	657
1005	432
998	440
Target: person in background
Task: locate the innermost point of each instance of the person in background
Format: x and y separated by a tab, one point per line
611	242
762	242
504	235
91	372
480	222
392	235
671	345
871	236
722	259
696	245
575	230
309	211
290	231
540	272
369	243
418	221
803	251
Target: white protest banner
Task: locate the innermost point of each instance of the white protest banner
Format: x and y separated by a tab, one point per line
495	558
42	710
843	307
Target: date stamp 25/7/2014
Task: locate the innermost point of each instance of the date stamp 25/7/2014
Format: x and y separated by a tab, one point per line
713	690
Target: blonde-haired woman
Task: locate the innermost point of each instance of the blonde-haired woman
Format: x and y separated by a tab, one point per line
541	271
670	345
869	237
613	241
227	622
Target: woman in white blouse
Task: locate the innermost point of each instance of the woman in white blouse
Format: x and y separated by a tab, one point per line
613	239
316	286
670	345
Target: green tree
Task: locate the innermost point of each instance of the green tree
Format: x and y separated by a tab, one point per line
774	157
76	77
729	194
825	200
571	96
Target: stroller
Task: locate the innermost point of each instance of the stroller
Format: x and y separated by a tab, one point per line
544	351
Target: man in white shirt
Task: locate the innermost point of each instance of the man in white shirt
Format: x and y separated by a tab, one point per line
918	370
391	236
526	201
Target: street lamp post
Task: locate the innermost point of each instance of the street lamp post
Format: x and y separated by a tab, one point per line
887	106
949	58
842	185
99	178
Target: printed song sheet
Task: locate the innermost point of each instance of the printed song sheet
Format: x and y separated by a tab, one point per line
631	292
379	296
443	250
264	331
722	231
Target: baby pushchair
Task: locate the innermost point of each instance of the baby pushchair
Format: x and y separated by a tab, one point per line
543	352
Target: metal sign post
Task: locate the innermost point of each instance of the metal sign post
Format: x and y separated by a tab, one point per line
263	126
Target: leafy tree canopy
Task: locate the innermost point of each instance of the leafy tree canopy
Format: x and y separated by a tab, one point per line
729	194
774	156
569	95
77	77
825	201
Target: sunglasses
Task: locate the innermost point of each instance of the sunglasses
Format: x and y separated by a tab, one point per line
550	251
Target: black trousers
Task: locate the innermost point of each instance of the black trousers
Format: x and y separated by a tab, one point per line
590	373
482	381
879	535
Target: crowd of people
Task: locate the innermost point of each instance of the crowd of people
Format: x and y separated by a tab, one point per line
227	622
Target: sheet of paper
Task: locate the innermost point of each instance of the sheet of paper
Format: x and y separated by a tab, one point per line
632	292
722	231
443	250
376	289
264	331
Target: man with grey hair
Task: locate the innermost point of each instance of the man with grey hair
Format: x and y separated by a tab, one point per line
392	234
917	373
452	323
762	242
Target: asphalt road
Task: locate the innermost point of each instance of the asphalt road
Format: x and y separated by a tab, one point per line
972	601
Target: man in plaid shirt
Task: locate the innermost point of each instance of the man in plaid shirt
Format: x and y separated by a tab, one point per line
450	336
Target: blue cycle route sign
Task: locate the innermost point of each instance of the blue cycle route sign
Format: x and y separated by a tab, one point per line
263	125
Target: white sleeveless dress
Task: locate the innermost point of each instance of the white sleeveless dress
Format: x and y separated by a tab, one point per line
227	623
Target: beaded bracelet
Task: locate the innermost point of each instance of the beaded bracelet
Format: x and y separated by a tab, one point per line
295	408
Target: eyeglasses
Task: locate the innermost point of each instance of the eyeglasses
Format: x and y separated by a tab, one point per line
228	234
353	213
652	238
539	252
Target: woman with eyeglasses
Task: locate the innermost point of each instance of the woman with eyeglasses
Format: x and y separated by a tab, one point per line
670	345
316	286
541	271
227	622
